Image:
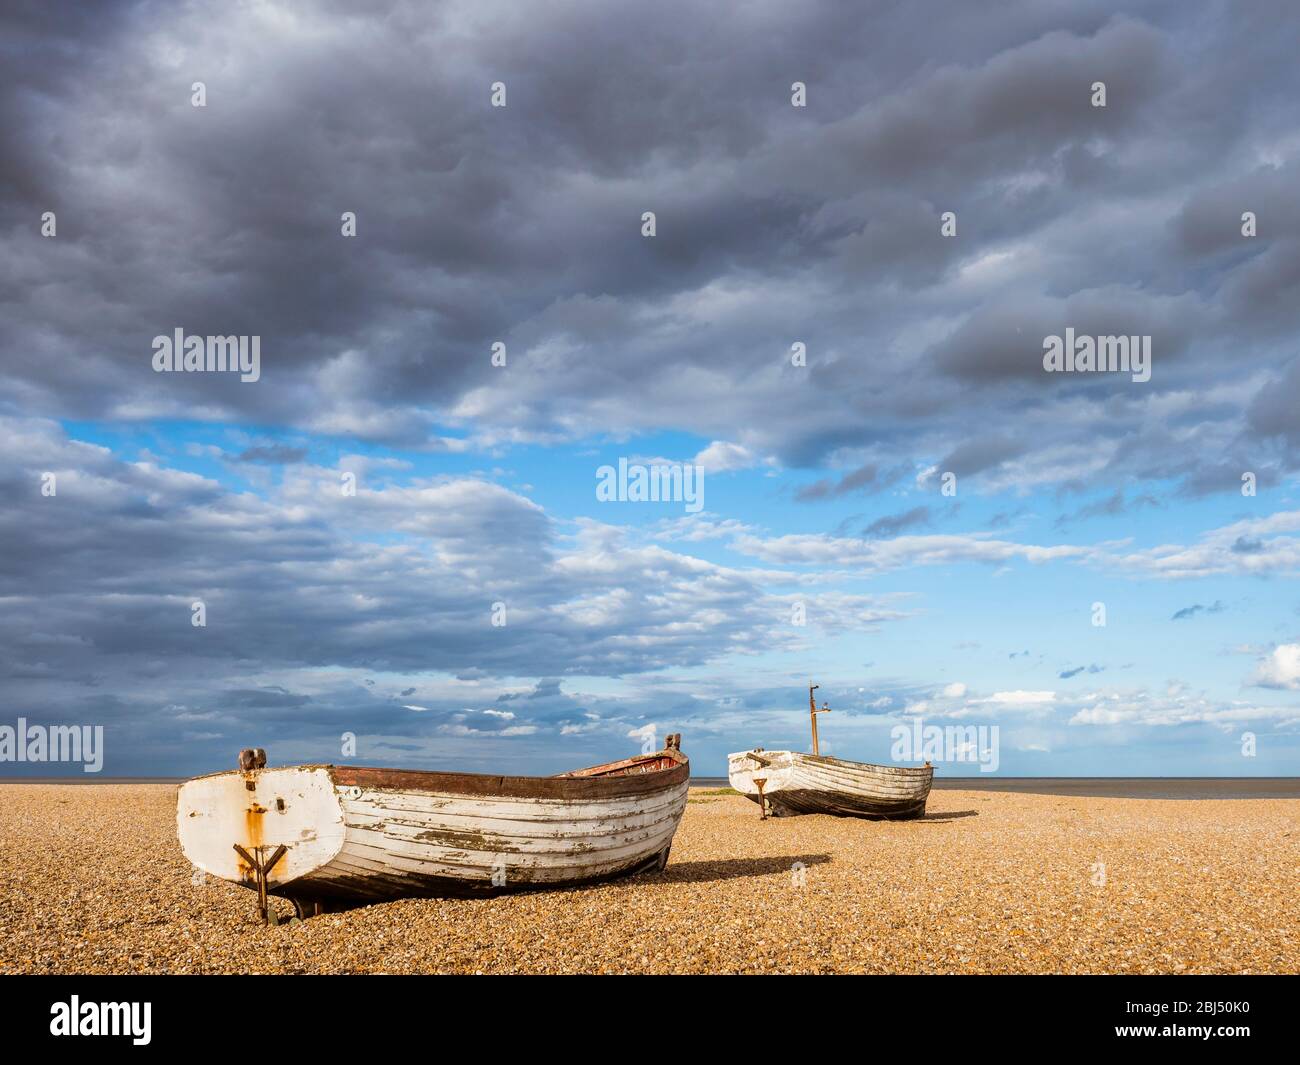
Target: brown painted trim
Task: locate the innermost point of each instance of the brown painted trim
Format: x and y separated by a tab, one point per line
590	787
623	765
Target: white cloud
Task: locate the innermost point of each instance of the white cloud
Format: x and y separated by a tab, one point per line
1019	698
456	729
722	457
1253	546
1181	708
1281	669
877	556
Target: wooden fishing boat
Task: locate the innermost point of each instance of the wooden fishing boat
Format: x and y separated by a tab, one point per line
785	783
320	834
797	783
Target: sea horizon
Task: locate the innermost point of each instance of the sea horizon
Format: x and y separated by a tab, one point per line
1098	787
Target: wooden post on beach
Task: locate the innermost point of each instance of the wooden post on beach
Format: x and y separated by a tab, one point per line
813	712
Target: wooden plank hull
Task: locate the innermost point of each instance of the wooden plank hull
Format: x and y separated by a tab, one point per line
363	834
797	783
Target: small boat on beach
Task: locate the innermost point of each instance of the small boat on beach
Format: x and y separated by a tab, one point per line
323	834
785	783
796	783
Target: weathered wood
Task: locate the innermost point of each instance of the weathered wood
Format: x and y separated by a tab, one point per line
358	833
797	783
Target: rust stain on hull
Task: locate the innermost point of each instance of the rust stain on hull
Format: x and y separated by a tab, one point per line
253	831
387	834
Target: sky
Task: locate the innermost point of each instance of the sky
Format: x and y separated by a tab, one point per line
839	317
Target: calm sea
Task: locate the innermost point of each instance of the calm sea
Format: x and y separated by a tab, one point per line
1098	787
1112	787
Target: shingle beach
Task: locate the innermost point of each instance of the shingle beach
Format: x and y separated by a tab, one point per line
92	880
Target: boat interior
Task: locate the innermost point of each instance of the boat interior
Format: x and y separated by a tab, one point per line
668	758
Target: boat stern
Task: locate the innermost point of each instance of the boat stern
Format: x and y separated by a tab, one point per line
278	823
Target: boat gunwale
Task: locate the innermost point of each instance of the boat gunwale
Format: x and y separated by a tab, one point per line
823	759
490	785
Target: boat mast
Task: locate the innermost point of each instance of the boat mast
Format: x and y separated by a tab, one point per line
813	712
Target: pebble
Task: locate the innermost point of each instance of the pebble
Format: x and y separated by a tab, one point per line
92	880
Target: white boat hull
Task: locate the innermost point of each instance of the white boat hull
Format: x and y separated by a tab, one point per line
376	834
797	783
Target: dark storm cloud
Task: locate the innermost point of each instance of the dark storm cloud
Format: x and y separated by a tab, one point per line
298	581
775	224
1274	411
980	454
307	595
1259	292
1006	341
